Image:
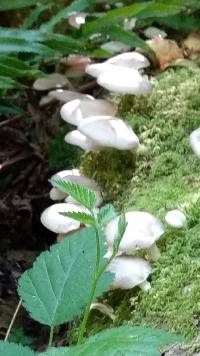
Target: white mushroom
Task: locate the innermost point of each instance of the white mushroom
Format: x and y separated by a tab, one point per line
195	141
104	309
125	81
176	218
68	95
57	194
54	80
96	69
153	32
108	131
130	272
77	19
132	60
78	139
142	232
77	110
55	222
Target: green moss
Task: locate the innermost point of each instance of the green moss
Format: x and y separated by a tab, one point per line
61	154
166	175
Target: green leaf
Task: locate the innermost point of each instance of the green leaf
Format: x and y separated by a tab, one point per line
75	6
8	83
14	68
15	45
11	349
56	289
82	217
83	195
6	108
180	22
158	10
105	214
113	16
122	224
18	4
125	340
119	34
34	16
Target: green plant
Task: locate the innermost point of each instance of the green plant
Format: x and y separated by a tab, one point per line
71	275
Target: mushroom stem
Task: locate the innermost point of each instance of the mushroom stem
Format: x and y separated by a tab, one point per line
145	286
154	252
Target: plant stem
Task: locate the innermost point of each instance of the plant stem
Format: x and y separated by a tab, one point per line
51	336
13	320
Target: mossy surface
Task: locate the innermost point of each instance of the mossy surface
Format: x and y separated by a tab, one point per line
166	175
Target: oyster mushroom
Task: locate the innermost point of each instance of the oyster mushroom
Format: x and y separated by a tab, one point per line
132	60
142	232
57	194
125	81
130	272
54	80
55	222
77	19
108	131
78	139
195	141
176	218
77	110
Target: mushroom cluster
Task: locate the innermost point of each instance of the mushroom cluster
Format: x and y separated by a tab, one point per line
51	217
97	126
142	231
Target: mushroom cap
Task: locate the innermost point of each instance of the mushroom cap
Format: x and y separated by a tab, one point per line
57	194
78	139
176	218
142	231
77	19
97	69
125	81
68	95
133	60
108	131
55	222
76	110
195	141
153	32
129	271
54	80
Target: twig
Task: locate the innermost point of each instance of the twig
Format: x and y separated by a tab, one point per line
9	121
13	320
12	161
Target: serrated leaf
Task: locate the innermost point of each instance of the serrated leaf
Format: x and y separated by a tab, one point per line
125	340
105	214
82	217
15	45
18	4
83	195
75	6
14	68
11	349
56	289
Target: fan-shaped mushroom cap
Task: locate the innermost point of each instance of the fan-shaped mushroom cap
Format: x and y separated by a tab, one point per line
78	139
57	194
55	222
125	81
133	60
68	95
142	231
130	272
195	141
54	80
97	69
176	218
76	110
108	131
